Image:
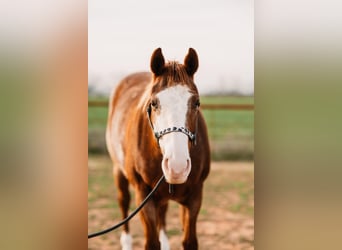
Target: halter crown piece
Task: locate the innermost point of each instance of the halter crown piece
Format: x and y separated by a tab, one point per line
158	135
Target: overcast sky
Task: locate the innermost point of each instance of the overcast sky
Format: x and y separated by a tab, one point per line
123	35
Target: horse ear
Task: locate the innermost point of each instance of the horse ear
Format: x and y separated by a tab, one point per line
191	62
157	62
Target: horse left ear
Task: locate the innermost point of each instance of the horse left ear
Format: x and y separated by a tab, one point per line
157	62
191	62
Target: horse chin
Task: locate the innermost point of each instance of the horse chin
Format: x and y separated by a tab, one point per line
176	179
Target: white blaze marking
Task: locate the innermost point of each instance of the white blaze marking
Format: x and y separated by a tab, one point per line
164	240
173	108
126	241
174	105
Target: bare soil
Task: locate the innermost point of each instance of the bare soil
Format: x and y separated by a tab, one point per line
226	220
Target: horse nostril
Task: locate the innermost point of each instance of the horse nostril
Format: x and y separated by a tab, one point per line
187	164
166	164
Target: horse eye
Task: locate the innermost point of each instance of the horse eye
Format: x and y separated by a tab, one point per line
154	103
197	104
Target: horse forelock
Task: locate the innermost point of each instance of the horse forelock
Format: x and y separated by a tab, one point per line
174	74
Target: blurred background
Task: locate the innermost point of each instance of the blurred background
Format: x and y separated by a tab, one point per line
122	36
45	198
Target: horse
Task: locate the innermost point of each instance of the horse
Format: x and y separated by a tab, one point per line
155	127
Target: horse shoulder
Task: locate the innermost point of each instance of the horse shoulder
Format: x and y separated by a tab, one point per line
122	103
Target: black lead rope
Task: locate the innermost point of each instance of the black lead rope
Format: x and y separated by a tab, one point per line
170	188
131	215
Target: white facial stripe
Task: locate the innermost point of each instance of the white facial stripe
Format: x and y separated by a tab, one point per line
173	107
176	164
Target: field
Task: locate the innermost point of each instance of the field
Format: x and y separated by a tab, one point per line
226	219
231	132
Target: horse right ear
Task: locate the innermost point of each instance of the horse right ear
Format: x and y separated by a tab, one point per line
191	62
157	62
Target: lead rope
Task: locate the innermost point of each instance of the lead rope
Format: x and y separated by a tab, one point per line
131	215
170	189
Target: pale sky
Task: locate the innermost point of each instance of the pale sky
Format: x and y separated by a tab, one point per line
123	34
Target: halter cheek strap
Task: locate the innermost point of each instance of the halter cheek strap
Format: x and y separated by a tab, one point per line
158	135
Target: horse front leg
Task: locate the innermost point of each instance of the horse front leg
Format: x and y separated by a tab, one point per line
148	216
189	214
124	198
162	209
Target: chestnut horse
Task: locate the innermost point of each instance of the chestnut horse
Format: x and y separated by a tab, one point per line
155	128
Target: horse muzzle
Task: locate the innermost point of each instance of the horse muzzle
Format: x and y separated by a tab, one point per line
176	171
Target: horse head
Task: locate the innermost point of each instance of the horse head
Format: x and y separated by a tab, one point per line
173	109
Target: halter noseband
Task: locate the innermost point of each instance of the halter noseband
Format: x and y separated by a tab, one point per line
158	135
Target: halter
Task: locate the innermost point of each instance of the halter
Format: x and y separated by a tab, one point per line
158	135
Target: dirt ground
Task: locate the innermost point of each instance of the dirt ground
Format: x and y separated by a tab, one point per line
226	220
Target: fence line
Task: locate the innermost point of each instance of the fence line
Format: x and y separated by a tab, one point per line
203	106
230	129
